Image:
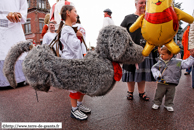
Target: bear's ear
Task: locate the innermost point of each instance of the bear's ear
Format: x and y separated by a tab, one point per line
117	43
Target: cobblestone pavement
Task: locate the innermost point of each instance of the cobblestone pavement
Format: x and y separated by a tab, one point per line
110	112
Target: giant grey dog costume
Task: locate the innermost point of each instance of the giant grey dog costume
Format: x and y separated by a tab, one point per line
93	75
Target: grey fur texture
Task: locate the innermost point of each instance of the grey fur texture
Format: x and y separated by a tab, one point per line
93	75
11	59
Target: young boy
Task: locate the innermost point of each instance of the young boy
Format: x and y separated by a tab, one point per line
167	71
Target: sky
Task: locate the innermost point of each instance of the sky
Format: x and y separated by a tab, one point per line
91	13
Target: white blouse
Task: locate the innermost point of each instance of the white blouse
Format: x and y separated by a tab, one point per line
72	47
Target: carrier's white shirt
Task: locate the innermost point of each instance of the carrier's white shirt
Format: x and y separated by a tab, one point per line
72	47
48	38
107	21
82	30
11	33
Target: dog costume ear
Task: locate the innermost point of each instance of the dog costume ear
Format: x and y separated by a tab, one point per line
117	43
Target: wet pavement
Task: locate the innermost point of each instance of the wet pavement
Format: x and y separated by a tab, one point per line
110	112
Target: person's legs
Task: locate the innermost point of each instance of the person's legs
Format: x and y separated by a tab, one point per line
160	92
73	102
131	86
141	89
80	106
141	86
75	112
169	97
81	98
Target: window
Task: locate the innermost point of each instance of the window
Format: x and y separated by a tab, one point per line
41	24
28	3
27	27
41	4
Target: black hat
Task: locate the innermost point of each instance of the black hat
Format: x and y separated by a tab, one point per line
107	10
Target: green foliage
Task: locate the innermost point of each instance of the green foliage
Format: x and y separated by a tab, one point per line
180	31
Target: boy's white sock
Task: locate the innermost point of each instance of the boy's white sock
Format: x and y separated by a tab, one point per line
79	103
74	108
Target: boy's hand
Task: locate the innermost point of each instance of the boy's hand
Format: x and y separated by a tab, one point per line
160	80
192	52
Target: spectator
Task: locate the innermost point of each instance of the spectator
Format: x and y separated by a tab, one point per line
13	15
167	81
56	10
50	35
46	22
107	18
141	72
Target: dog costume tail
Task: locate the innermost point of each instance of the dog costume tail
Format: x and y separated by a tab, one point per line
9	64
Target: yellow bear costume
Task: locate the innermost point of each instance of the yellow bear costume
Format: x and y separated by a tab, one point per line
159	25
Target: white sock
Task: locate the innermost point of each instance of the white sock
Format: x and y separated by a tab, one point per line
79	103
74	108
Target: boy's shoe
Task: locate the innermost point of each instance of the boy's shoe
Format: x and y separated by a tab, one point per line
78	115
169	108
84	109
155	106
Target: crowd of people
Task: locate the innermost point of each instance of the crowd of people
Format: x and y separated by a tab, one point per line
64	25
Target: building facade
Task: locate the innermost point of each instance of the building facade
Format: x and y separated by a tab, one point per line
37	9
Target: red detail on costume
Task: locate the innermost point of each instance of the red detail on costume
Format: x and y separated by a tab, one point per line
117	71
163	17
158	3
67	3
75	95
52	13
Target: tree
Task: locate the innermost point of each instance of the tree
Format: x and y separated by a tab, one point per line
180	31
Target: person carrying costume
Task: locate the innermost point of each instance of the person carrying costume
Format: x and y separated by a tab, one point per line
167	81
107	18
12	15
72	49
141	72
185	47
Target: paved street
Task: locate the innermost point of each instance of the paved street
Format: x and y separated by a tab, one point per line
110	112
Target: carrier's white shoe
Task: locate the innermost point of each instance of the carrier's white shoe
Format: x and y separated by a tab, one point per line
155	106
78	115
84	109
169	108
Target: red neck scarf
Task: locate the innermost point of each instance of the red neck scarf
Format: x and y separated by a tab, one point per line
163	17
108	16
117	71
